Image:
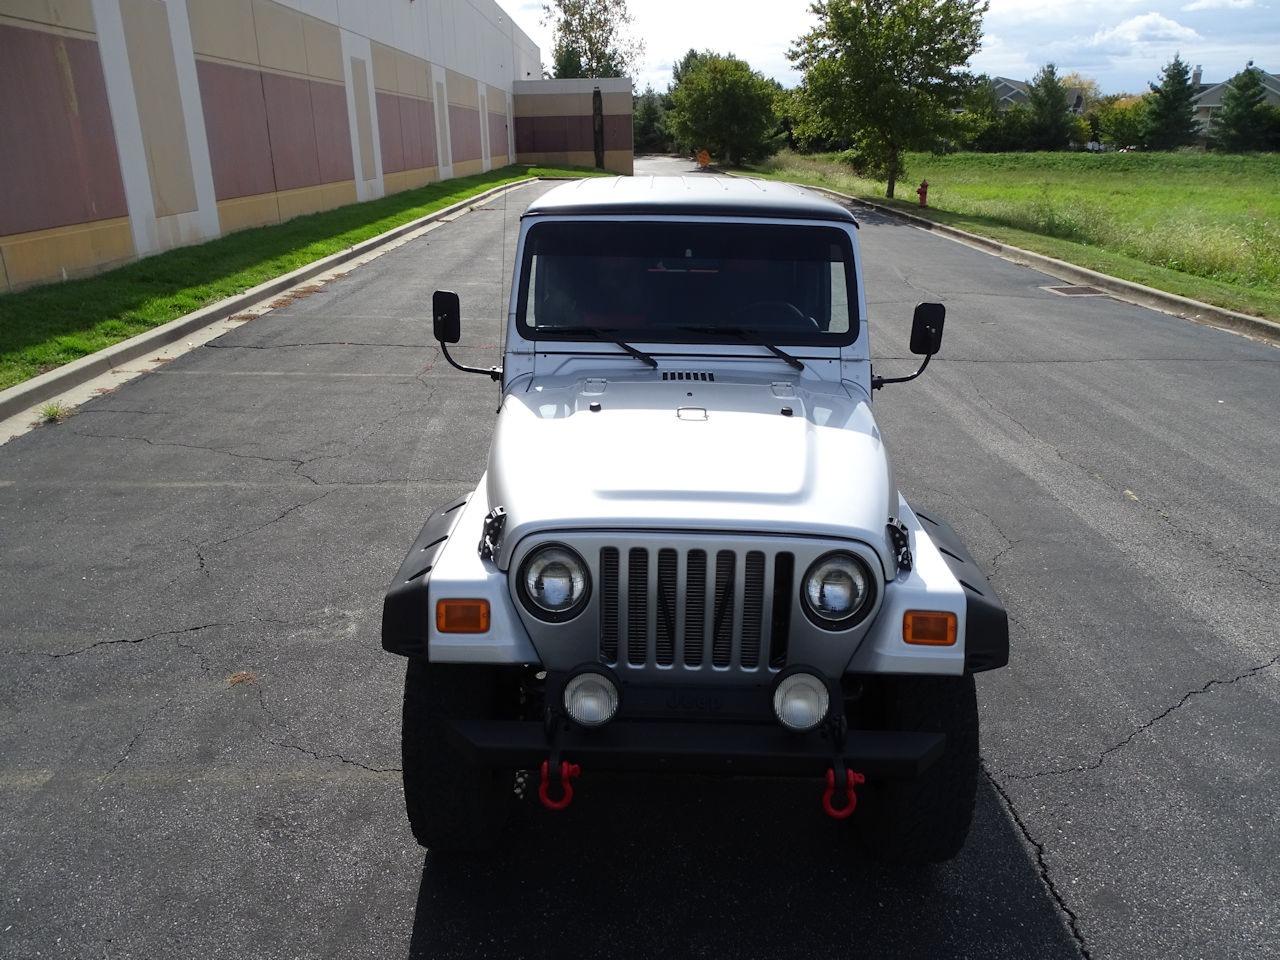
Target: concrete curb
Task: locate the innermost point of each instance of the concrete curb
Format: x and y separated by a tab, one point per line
1144	296
70	375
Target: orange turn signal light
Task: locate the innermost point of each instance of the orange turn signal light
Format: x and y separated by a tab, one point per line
462	616
930	628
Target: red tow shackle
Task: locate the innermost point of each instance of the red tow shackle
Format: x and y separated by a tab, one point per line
568	771
851	781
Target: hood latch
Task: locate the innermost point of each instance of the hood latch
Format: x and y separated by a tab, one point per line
491	536
901	540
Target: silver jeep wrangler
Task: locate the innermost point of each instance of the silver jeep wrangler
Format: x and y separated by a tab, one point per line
688	552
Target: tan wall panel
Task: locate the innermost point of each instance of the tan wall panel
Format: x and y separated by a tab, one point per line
384	68
244	212
620	161
411	74
463	91
569	104
78	250
497	101
499	160
364	122
324	49
164	130
68	14
223	29
465	168
410	179
4	274
280	39
295	203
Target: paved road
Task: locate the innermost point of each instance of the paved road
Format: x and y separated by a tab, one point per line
198	731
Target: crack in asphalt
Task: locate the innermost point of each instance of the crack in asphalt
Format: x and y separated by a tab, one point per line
306	751
1042	867
158	635
262	526
1098	761
142	728
297	462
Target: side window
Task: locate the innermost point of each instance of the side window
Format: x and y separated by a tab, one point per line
840	311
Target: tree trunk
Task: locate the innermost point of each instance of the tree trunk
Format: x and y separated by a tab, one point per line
893	172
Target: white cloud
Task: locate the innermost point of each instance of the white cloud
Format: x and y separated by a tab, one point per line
1218	5
1146	28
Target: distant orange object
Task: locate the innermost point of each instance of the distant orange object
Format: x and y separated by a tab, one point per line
704	159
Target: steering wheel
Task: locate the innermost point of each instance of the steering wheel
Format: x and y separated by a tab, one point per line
773	313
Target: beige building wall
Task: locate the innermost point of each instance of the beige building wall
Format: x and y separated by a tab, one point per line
554	123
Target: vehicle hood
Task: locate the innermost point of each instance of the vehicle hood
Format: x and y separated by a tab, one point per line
592	453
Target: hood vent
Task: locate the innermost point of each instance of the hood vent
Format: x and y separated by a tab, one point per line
688	375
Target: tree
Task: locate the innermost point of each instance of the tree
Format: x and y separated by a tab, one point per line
1087	88
1050	115
725	106
1171	110
591	38
1244	121
681	67
650	123
887	74
1122	121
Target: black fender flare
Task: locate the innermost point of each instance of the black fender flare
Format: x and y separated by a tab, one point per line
986	631
406	609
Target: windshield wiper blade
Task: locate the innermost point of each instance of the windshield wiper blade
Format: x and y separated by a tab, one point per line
598	334
749	337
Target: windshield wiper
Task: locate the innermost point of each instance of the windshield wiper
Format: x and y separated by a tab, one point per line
598	334
750	337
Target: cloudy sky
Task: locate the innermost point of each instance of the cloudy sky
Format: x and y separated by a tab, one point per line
1121	43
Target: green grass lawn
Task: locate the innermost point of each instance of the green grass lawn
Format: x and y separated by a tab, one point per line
1201	225
48	326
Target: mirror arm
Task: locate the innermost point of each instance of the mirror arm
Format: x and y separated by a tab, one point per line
878	382
493	373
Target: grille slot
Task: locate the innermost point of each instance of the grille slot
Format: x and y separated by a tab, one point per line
665	639
702	375
637	606
784	573
722	624
695	608
752	609
609	604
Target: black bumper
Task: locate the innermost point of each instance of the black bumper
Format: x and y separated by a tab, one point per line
986	631
406	609
700	748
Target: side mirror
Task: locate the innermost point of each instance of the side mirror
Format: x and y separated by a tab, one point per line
926	329
926	340
446	317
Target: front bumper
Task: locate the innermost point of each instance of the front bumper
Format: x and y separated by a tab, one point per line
700	747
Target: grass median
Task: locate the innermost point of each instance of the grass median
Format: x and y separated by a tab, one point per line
45	327
1201	225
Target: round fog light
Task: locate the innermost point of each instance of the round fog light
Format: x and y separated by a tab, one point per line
801	701
591	699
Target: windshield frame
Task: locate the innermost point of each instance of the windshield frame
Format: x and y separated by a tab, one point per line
842	234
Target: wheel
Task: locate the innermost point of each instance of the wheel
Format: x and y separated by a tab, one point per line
453	805
925	820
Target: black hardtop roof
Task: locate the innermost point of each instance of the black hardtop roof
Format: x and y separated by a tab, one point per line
702	195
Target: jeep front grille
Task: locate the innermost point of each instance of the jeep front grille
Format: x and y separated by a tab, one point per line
699	609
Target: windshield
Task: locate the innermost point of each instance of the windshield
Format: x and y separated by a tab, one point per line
688	282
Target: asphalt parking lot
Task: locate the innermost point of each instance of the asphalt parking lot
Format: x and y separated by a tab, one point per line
199	731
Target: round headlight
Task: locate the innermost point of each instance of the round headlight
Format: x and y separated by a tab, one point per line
591	699
554	582
800	701
837	588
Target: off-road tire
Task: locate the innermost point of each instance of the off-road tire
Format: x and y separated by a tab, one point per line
454	806
924	820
